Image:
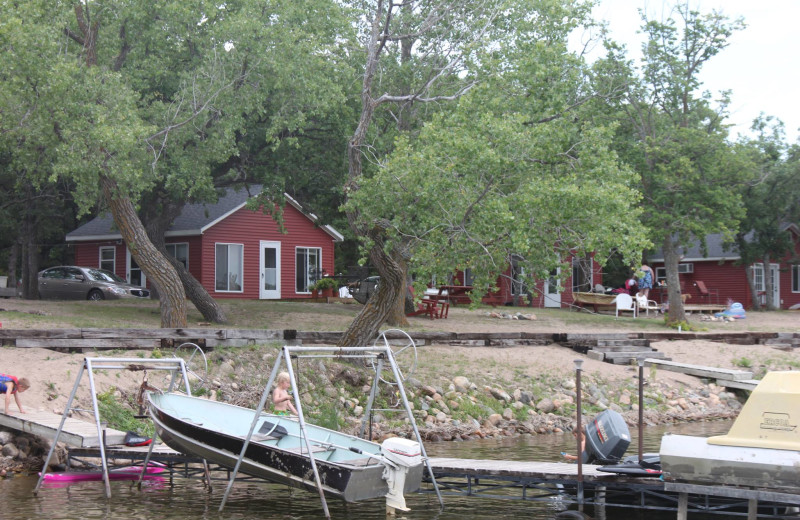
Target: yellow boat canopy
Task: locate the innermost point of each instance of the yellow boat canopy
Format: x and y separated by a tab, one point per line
770	417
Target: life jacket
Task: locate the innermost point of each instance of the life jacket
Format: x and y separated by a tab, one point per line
4	378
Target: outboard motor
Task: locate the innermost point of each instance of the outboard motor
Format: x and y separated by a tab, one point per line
402	455
607	438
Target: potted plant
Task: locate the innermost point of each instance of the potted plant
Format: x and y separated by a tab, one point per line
314	290
327	286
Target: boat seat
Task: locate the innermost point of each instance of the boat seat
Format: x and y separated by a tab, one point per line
262	438
314	449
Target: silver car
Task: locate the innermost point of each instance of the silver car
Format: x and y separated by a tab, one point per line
69	282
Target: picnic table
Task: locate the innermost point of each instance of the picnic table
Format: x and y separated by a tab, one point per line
454	294
582	299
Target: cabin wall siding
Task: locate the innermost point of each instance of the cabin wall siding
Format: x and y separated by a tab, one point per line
249	228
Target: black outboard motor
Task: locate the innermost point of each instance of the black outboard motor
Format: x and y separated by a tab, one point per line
607	438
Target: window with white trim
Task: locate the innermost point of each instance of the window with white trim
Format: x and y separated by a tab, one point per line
229	267
108	258
758	277
582	275
661	275
308	268
796	278
180	252
517	276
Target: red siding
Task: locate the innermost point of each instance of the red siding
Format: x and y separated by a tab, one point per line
730	280
87	254
244	227
250	228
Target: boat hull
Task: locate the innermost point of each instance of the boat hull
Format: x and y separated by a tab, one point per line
357	478
694	459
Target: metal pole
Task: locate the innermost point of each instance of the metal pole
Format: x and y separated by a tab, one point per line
402	390
581	438
641	409
60	428
305	434
372	392
103	460
256	414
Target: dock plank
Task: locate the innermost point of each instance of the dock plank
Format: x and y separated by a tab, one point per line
509	468
700	371
76	432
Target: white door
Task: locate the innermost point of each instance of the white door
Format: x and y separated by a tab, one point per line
774	273
134	273
552	290
270	286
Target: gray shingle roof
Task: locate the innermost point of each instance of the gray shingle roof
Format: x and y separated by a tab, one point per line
193	220
716	251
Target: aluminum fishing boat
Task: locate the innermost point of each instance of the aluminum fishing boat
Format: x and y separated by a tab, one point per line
349	467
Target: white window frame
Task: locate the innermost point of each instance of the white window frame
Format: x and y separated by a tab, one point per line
579	264
174	246
308	281
758	278
113	260
228	246
661	275
796	278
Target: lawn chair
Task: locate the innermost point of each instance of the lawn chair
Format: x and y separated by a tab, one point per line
647	305
624	302
426	307
705	292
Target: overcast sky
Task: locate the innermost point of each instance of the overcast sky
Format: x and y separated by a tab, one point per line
760	66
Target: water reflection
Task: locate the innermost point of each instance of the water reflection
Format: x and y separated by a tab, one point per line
186	499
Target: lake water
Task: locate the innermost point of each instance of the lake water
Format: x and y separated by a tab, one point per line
187	499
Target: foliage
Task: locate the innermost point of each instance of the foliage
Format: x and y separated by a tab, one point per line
121	417
676	140
326	283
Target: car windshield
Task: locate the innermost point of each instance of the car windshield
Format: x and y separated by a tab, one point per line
101	275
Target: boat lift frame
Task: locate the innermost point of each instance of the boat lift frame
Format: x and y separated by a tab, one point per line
378	354
174	365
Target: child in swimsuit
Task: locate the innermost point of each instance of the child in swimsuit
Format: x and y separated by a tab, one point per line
281	400
10	385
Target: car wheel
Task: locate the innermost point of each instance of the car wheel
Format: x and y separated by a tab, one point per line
96	295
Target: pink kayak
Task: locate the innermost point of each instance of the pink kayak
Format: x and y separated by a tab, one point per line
124	473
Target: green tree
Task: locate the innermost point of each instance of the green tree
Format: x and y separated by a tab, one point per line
691	175
772	202
505	174
131	96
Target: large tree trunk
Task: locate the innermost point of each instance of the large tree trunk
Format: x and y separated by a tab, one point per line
676	313
155	266
156	224
751	283
364	328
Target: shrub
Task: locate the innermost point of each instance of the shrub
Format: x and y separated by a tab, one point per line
326	283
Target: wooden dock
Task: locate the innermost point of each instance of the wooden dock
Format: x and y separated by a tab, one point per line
76	432
726	377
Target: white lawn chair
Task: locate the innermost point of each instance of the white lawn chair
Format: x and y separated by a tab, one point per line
647	305
624	302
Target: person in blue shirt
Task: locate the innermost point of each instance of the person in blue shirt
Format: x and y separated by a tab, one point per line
10	385
646	280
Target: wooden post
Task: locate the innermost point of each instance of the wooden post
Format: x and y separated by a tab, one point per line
683	506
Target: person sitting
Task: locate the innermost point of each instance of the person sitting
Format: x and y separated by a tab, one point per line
281	399
10	385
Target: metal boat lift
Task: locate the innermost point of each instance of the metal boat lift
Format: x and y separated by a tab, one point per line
378	355
174	365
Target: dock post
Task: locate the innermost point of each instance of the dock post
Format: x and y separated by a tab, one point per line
683	505
581	436
641	409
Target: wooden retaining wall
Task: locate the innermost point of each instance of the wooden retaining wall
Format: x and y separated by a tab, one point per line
102	339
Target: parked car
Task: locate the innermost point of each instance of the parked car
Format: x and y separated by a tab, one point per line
70	282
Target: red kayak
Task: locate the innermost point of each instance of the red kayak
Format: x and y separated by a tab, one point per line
124	473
